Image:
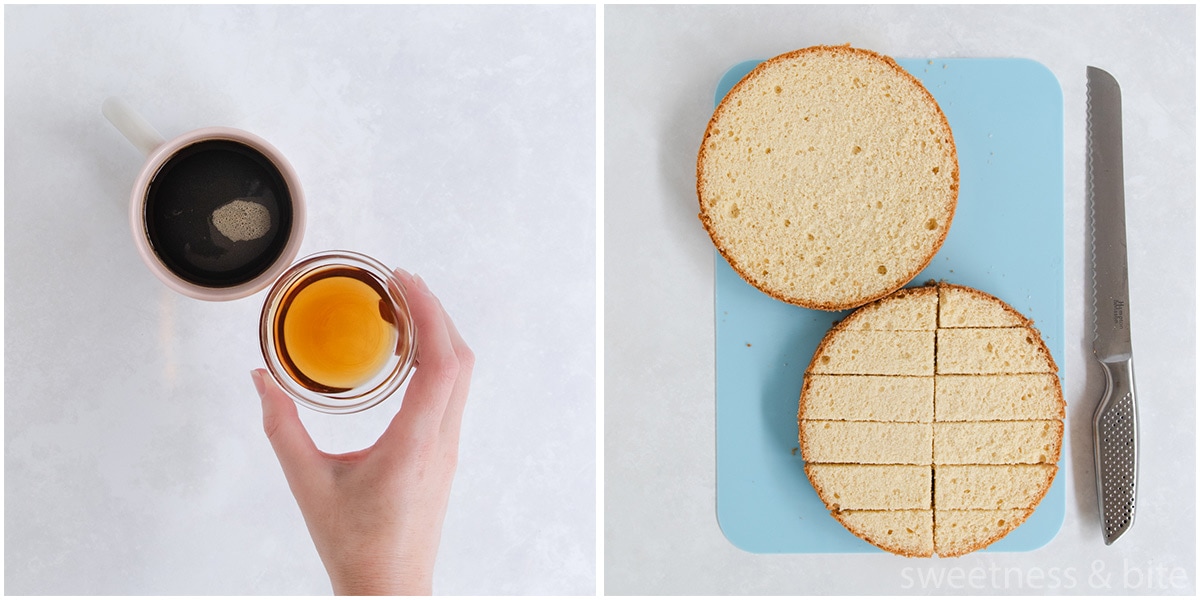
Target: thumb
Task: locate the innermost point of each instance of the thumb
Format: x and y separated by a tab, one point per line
297	453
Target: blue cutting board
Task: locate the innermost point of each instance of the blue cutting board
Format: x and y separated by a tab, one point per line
1006	239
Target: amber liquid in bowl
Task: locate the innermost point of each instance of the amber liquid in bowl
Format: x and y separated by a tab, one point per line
335	329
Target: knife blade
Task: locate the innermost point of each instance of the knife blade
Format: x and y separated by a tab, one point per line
1114	426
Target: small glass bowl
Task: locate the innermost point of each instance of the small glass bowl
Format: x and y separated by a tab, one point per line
385	381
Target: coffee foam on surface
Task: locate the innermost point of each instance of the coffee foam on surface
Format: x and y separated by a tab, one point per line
242	220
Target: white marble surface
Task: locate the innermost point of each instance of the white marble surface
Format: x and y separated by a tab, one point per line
456	142
661	68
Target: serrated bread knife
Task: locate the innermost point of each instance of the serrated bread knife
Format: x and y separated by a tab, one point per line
1115	423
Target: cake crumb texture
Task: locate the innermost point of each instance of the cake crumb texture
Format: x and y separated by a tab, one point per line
998	397
917	312
868	398
904	532
992	486
873	487
961	306
992	351
876	353
996	442
867	442
958	532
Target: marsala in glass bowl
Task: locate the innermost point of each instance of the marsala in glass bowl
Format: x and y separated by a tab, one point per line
336	332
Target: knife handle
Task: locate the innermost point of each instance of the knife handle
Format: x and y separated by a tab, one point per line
1115	438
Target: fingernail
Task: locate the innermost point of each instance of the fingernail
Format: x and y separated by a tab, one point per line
258	382
406	274
420	284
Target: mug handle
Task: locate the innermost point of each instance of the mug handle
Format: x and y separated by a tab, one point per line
137	130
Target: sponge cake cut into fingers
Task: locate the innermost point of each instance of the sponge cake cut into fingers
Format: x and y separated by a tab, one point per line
983	458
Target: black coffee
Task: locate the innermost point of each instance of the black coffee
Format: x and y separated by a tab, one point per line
218	213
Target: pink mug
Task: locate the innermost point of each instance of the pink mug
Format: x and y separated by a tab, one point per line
158	153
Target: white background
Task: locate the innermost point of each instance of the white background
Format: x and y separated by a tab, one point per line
457	143
661	69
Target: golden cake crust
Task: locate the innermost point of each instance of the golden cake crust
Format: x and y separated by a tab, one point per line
1019	320
979	544
841	517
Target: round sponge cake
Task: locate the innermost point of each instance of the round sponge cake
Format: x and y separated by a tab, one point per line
931	420
828	177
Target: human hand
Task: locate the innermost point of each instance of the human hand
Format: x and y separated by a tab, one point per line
375	515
